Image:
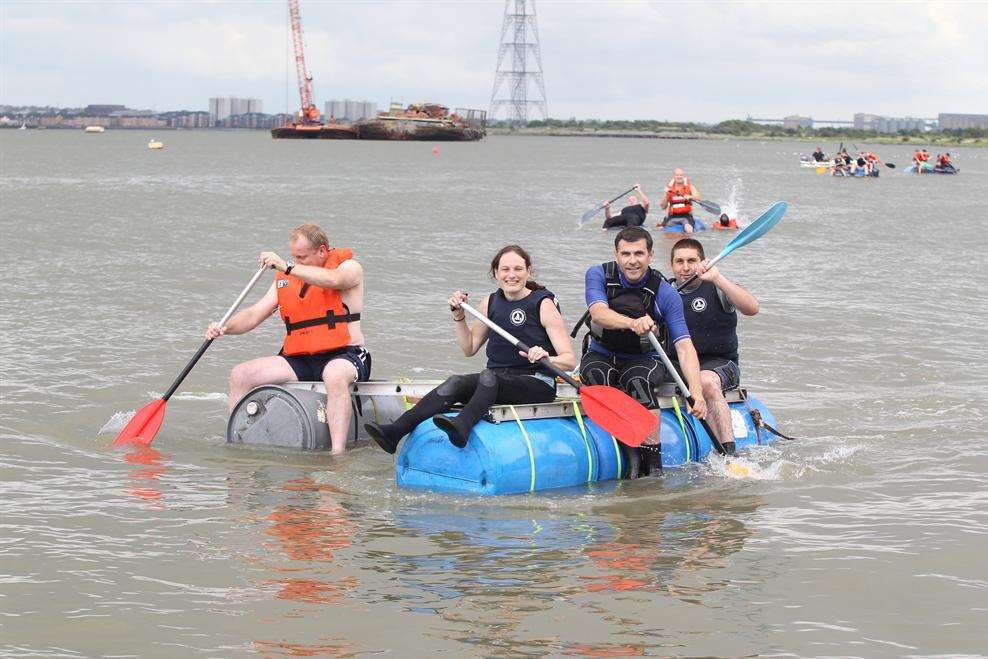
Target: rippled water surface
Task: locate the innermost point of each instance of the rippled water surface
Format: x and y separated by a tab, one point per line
866	537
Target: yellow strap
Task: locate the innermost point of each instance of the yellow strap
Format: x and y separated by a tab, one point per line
586	442
528	442
679	415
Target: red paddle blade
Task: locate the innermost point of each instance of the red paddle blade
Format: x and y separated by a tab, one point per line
618	413
145	424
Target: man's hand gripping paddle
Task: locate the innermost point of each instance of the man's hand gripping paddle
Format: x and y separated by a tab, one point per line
613	410
145	424
758	228
589	215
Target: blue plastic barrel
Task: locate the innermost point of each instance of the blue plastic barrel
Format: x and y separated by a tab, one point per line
541	454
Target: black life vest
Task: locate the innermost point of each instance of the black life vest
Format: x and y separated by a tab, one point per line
636	215
633	302
712	327
522	320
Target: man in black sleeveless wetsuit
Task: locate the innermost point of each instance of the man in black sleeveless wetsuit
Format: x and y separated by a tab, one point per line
710	306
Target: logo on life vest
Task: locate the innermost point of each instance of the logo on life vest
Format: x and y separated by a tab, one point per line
282	283
699	304
517	317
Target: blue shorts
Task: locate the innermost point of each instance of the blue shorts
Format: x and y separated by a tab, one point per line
308	368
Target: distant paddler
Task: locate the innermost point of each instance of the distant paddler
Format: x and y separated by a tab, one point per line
632	215
678	201
320	295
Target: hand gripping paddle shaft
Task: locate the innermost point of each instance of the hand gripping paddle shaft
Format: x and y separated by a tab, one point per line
613	410
145	424
758	228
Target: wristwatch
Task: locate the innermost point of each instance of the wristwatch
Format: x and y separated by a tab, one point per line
289	264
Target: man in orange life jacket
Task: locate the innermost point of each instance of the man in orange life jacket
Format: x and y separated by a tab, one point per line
320	294
678	201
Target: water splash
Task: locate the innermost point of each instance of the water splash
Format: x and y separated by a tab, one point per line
735	193
117	422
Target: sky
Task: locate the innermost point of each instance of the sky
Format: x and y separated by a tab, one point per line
606	59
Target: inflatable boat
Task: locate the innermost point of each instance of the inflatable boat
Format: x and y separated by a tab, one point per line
515	449
930	169
678	228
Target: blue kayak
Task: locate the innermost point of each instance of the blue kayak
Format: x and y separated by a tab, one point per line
517	455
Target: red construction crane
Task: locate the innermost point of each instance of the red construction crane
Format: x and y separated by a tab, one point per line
309	114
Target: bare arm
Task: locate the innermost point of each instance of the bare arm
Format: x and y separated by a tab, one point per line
742	300
469	338
555	327
643	200
690	364
694	192
346	275
249	318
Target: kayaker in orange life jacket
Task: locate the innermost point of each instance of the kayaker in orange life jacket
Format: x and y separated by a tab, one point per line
320	295
678	201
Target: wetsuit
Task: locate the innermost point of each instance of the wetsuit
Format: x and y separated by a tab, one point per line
509	379
630	216
619	358
713	323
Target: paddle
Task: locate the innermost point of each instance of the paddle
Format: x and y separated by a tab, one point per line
145	424
613	410
758	228
708	206
890	165
590	213
684	390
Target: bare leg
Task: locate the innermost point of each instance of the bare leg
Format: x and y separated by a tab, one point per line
253	373
338	375
718	412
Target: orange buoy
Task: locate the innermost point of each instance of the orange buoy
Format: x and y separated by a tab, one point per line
435	150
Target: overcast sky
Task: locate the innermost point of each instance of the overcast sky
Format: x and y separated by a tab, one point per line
602	58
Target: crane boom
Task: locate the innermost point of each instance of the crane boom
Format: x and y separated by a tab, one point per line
309	113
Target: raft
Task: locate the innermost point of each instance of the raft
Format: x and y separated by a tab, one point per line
516	449
678	228
930	169
533	448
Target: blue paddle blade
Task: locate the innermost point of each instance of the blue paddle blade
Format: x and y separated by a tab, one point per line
758	228
589	215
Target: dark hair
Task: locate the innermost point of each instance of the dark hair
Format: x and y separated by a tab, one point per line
688	243
633	235
531	284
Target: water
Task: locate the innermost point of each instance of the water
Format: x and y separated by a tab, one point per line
863	538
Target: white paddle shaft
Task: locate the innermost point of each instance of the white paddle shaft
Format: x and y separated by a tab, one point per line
247	289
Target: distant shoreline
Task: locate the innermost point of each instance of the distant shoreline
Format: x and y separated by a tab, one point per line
939	140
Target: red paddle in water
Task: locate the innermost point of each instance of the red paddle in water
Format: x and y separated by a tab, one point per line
145	424
611	409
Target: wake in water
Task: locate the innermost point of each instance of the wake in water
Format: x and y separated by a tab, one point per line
734	198
117	422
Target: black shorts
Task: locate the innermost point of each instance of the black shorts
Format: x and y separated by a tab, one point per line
729	372
308	368
638	377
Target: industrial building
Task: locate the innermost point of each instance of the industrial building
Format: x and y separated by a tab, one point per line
221	108
956	121
349	110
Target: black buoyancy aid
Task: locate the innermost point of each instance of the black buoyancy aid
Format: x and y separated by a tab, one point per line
712	327
633	302
522	319
637	212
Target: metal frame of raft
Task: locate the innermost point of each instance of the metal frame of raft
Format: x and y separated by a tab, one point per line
515	449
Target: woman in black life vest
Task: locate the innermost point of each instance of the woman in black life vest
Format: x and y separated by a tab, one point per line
526	310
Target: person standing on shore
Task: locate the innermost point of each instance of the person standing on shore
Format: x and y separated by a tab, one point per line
678	202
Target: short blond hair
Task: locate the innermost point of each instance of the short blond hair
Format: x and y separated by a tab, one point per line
311	232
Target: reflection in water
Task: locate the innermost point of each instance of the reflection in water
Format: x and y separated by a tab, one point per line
659	546
266	649
147	485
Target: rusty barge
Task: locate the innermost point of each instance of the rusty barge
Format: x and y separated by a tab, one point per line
419	122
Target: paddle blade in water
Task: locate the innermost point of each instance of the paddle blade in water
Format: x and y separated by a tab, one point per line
144	426
618	413
589	215
709	206
890	165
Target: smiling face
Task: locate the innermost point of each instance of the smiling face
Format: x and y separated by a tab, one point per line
633	259
685	261
512	274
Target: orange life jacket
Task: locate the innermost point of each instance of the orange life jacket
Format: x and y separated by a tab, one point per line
316	319
677	196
